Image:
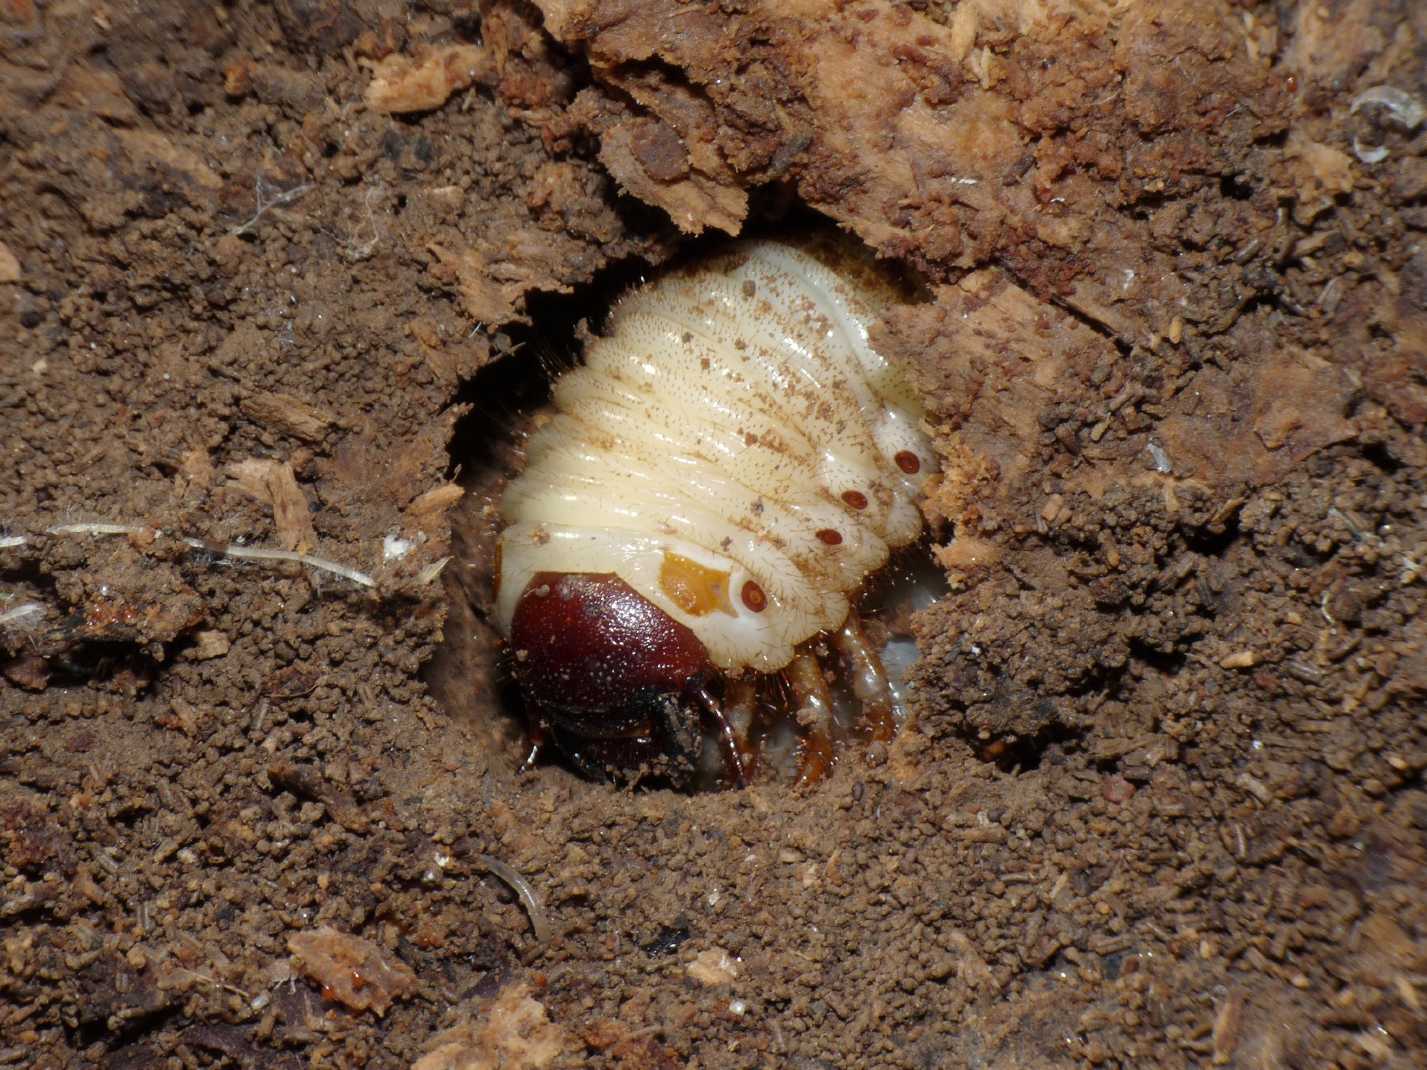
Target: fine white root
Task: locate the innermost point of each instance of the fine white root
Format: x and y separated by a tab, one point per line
258	553
232	551
266	200
101	529
22	612
539	921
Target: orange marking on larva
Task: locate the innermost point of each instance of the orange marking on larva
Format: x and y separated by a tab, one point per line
694	588
907	461
829	537
753	597
855	498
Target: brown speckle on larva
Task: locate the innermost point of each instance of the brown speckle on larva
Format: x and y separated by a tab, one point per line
720	478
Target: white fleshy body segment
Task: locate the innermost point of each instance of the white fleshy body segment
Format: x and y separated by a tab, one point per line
733	449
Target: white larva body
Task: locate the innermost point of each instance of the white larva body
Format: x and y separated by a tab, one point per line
724	431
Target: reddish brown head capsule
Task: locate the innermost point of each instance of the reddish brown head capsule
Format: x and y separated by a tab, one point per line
609	672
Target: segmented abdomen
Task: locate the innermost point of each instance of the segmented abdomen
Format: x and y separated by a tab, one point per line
733	449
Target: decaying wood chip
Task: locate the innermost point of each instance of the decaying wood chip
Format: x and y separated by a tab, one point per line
713	966
1320	173
436	500
274	482
29	671
516	1035
351	970
210	644
490	291
1300	403
195	472
283	412
402	84
9	265
648	160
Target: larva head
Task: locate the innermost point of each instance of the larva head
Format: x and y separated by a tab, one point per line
600	662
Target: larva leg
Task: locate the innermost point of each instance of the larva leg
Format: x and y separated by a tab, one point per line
814	700
881	712
740	707
727	737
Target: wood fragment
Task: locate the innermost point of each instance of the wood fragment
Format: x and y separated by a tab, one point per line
284	412
351	969
402	85
9	265
436	500
516	1034
273	482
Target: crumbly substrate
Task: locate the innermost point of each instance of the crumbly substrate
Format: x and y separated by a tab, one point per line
1180	400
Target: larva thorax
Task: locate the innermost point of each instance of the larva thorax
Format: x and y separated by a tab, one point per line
733	450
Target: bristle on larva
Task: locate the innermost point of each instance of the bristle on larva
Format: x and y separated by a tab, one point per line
733	449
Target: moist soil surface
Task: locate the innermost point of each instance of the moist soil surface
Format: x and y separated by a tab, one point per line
279	288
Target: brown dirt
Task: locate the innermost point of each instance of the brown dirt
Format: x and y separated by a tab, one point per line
1163	802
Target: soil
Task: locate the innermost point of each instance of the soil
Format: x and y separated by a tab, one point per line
287	278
